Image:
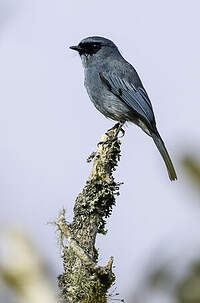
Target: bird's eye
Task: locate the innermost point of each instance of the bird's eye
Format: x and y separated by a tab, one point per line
96	46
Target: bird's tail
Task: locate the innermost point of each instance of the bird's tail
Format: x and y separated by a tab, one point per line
164	153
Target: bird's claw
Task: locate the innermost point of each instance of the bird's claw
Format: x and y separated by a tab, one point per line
111	139
123	133
119	128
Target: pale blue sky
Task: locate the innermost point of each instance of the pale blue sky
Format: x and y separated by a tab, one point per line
48	125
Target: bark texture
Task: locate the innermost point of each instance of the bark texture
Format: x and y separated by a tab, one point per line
83	280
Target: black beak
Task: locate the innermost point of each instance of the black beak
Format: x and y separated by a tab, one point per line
76	48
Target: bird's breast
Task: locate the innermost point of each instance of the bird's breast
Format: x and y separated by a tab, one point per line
103	99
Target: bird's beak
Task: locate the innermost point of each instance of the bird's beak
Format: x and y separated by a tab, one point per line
76	48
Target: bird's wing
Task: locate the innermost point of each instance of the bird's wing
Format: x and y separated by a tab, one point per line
136	98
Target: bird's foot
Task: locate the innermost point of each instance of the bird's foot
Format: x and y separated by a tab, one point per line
123	132
119	128
112	139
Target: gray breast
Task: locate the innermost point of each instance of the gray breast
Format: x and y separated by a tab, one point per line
105	101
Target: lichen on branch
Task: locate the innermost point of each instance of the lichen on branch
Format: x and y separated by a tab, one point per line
83	280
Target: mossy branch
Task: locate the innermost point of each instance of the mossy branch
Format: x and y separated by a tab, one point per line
83	280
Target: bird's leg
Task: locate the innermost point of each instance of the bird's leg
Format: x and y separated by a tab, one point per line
119	128
120	125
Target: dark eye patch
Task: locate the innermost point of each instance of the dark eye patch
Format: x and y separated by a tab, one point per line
89	47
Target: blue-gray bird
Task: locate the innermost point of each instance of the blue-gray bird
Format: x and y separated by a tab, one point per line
116	90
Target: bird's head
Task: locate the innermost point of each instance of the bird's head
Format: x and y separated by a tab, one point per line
95	48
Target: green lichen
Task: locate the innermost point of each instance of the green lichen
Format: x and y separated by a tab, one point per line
92	287
93	205
98	197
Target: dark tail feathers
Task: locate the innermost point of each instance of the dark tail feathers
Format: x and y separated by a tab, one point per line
163	151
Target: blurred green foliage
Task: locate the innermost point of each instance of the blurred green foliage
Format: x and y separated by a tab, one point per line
160	282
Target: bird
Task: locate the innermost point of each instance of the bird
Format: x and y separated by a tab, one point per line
116	90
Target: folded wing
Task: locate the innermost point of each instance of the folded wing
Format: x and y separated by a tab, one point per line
136	98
